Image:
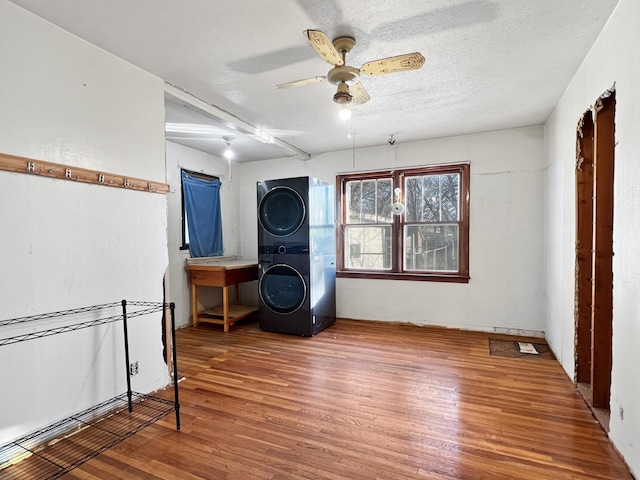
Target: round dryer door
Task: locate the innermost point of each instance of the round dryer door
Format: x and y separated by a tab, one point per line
282	289
281	211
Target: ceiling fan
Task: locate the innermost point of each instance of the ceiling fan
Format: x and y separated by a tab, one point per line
348	78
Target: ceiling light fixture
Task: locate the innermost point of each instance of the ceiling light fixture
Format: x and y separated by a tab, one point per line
345	112
342	95
343	98
228	153
192	128
177	95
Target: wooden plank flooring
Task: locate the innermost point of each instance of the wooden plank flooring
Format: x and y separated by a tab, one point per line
363	401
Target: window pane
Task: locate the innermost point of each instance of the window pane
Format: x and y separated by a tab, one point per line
432	198
431	248
369	201
413	199
354	191
450	194
185	227
369	198
385	200
368	247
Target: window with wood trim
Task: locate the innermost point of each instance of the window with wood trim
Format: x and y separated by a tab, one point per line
408	224
185	218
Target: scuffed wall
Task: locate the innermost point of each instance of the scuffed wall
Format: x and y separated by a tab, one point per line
67	245
612	60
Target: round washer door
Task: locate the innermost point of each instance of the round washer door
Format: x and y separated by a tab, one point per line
281	211
282	289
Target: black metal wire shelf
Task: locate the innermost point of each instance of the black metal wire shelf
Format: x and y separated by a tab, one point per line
62	313
52	451
79	437
78	324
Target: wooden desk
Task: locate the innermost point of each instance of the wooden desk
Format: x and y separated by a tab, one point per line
221	274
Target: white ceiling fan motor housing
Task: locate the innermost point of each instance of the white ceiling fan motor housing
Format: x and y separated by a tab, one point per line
344	73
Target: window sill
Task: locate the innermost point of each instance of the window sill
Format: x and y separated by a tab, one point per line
420	277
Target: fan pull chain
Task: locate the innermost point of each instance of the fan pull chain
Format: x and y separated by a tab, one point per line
394	151
353	138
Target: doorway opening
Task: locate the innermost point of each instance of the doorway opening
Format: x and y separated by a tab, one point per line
595	148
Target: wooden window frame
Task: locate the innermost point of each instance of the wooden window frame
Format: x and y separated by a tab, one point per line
397	271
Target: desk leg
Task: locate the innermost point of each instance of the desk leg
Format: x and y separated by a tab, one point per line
225	307
194	304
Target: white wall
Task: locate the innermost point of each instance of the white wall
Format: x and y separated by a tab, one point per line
505	293
179	156
67	245
613	59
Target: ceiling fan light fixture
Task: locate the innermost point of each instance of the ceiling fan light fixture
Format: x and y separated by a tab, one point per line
345	112
342	95
228	153
342	98
345	76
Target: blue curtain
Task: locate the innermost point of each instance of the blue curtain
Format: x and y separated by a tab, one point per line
202	206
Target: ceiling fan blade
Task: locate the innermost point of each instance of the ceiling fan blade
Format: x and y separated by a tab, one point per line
300	83
409	61
359	94
324	47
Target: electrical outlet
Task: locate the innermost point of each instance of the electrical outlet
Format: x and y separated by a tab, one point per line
133	368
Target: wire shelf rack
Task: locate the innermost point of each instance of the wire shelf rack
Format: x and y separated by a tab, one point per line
54	450
79	437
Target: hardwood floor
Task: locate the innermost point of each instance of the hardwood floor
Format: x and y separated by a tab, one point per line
363	401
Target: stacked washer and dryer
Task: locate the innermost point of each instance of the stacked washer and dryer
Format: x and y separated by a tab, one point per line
296	255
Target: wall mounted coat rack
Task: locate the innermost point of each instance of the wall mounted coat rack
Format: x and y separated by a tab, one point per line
12	163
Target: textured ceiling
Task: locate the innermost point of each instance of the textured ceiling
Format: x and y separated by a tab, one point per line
490	64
